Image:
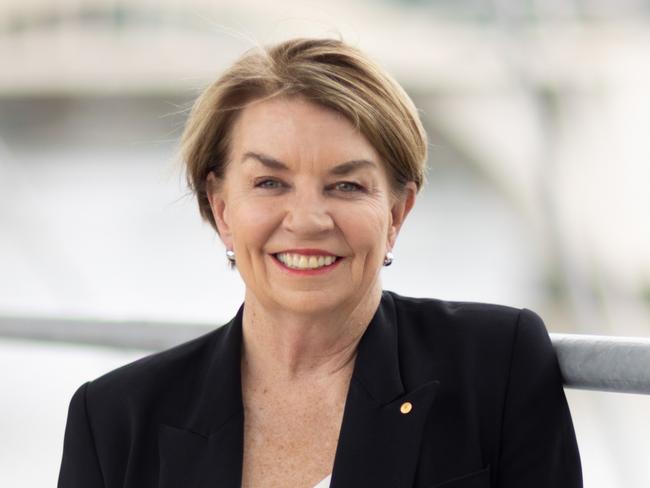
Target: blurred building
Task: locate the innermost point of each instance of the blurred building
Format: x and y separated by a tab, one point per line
538	184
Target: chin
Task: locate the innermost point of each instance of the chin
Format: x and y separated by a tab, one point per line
311	301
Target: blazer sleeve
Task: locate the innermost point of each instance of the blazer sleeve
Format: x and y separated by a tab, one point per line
538	443
80	464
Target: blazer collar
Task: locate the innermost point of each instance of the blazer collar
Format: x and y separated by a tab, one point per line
207	450
378	444
380	437
377	364
221	396
376	368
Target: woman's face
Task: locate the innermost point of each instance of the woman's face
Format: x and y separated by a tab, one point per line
306	206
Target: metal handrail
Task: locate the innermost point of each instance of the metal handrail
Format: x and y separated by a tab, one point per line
604	363
126	334
589	362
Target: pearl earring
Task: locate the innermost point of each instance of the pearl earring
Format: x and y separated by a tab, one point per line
230	255
388	260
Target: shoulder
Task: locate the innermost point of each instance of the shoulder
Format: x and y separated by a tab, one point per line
152	379
467	335
461	317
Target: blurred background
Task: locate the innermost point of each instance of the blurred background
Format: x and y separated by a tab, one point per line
539	185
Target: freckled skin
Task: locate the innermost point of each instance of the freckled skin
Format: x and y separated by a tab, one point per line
291	432
300	333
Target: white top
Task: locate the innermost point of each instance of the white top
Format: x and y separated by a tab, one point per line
325	483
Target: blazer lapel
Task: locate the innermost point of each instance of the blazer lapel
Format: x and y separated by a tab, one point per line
192	460
207	451
382	425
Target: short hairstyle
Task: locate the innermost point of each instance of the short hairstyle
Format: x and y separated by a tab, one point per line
328	72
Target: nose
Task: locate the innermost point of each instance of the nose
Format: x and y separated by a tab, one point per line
307	214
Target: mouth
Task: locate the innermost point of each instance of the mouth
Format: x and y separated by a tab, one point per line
306	262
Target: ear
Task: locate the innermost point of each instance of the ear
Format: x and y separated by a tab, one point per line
399	210
216	196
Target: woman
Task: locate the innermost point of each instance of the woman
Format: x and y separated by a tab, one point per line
306	159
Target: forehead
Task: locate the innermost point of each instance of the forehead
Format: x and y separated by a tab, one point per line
290	128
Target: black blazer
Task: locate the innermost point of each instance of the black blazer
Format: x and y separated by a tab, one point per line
488	408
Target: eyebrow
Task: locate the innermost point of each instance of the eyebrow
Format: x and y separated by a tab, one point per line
339	170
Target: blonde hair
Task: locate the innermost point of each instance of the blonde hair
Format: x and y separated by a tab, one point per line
325	71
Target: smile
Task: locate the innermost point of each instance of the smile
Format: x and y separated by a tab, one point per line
301	261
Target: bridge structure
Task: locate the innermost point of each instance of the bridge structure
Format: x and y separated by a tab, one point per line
134	46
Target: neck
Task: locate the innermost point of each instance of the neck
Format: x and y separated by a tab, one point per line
284	346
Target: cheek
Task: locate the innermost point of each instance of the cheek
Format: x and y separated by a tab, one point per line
254	221
365	228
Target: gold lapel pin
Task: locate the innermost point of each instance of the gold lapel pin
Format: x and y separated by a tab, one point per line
406	407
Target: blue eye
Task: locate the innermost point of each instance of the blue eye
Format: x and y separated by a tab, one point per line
348	186
269	184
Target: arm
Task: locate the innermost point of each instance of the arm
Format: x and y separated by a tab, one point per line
80	465
538	444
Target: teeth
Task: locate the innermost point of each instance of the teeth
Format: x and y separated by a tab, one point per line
300	261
